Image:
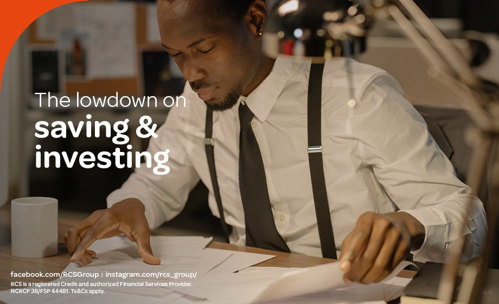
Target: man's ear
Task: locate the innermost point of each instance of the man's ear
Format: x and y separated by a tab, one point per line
255	18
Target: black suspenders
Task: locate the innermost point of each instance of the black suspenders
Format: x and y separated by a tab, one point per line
209	145
315	161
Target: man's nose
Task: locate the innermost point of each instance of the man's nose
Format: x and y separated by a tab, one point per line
192	72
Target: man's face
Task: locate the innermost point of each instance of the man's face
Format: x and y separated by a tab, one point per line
216	54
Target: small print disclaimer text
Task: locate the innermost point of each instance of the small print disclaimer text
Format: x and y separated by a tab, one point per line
94	283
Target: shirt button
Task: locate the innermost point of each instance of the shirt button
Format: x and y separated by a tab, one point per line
352	103
281	218
253	124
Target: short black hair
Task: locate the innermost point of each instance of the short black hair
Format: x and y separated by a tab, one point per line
236	9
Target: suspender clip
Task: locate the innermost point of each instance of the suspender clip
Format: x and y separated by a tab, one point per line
209	142
314	149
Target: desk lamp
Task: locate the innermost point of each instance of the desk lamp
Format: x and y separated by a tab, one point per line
320	29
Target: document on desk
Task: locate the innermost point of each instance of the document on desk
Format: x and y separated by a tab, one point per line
237	261
266	283
191	273
318	284
183	259
119	273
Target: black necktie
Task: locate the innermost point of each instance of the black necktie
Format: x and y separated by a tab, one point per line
260	227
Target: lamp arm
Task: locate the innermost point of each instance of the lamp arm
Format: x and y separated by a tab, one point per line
412	33
455	58
444	69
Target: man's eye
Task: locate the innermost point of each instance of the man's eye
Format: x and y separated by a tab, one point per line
174	54
205	51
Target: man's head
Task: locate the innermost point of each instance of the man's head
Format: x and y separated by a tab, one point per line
216	44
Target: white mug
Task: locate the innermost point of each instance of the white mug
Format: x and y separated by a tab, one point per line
34	227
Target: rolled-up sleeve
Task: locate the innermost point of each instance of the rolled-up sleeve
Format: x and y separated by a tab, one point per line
414	173
163	196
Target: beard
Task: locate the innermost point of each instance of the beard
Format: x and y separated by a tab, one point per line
227	102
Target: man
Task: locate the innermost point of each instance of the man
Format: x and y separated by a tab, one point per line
391	190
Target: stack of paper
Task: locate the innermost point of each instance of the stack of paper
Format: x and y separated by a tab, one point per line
191	273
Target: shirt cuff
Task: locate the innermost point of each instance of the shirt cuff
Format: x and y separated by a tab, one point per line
434	245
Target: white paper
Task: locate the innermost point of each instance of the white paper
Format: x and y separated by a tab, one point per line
241	287
238	260
177	255
108	297
168	245
304	281
318	284
188	300
123	298
152	23
327	277
111	31
353	293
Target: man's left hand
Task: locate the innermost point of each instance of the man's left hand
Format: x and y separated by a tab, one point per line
377	244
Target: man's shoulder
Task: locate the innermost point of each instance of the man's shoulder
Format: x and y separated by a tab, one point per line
346	79
347	72
349	78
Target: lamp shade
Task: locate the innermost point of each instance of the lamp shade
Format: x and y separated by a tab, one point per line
300	28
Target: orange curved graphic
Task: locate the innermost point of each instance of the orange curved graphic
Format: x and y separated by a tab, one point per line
16	16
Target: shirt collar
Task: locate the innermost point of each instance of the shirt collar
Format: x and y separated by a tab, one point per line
263	98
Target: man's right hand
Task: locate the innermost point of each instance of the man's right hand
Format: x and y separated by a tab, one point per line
124	217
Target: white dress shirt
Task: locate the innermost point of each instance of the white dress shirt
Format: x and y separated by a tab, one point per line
378	156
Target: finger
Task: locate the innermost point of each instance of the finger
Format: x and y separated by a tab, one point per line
355	242
346	279
92	253
365	261
400	254
376	240
344	259
105	225
71	241
85	259
382	266
142	236
107	235
354	248
73	235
